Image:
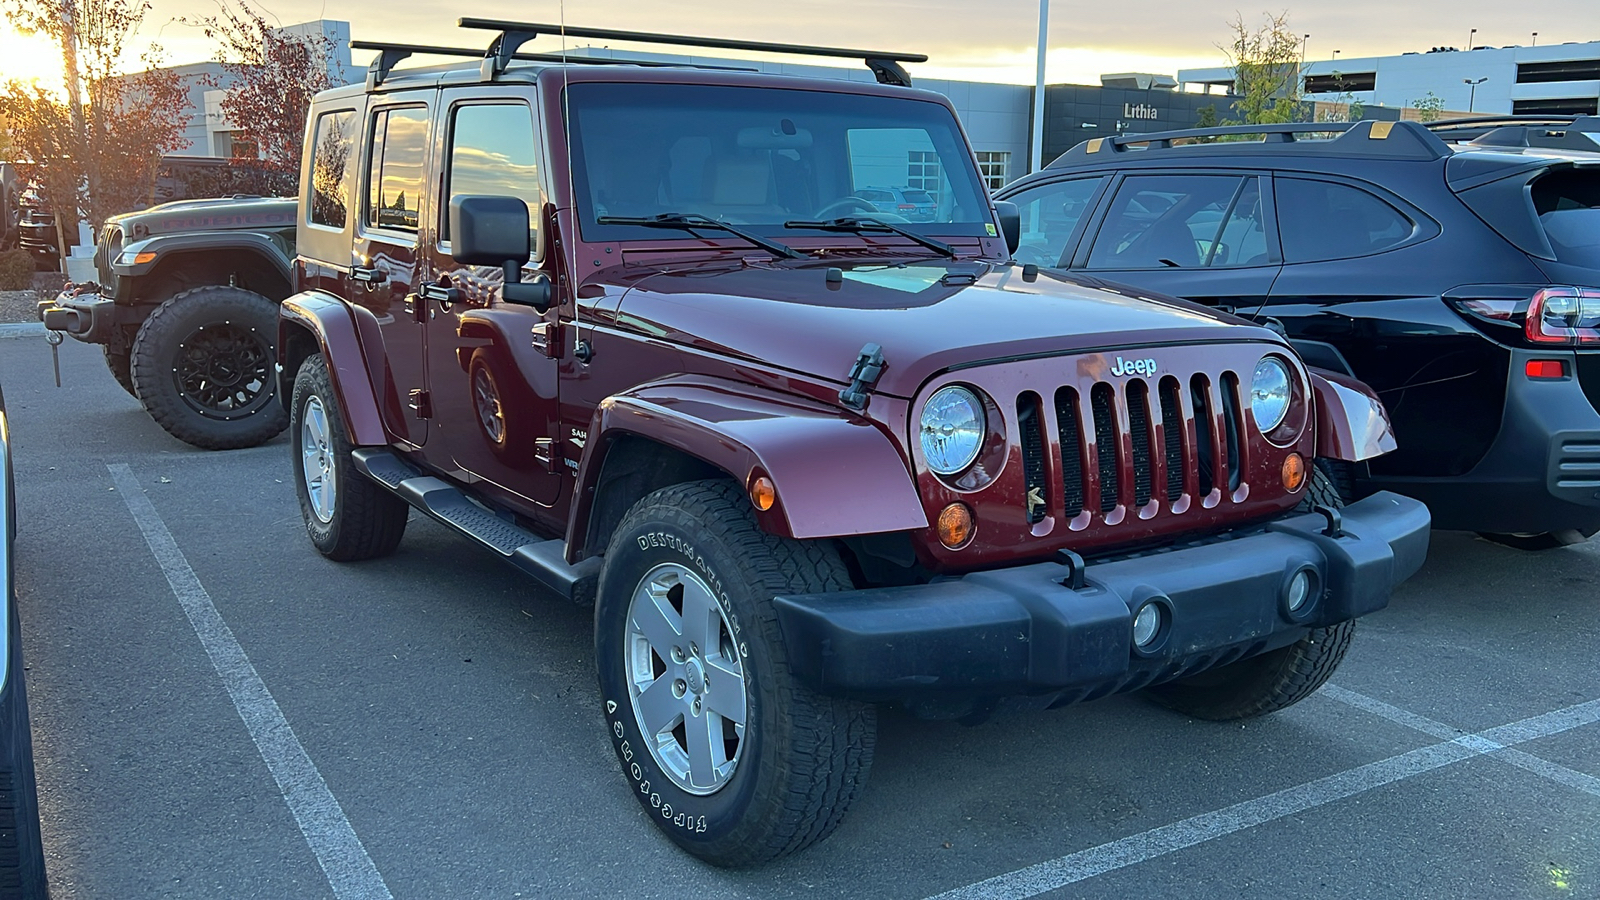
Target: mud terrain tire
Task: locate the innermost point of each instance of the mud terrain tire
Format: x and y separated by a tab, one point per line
121	366
692	553
203	368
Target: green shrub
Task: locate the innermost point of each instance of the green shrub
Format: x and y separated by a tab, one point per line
16	270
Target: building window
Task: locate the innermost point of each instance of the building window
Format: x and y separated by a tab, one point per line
1570	106
1564	70
922	171
995	167
1341	83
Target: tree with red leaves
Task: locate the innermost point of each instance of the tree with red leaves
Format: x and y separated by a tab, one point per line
273	74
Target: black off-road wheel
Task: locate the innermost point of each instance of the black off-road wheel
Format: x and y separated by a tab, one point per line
724	749
203	368
120	363
1278	678
348	516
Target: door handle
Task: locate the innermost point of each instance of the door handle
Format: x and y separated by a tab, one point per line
445	295
371	277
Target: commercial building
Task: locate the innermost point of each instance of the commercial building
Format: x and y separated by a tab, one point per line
1550	79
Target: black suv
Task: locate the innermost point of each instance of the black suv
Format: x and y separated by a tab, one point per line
1461	280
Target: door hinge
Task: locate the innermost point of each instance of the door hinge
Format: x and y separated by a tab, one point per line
421	403
544	453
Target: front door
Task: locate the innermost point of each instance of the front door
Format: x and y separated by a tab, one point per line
1202	237
492	365
385	265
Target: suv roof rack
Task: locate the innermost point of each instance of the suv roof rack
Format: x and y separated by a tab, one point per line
391	53
884	65
1568	132
1366	138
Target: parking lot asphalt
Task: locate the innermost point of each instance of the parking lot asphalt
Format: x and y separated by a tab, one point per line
428	725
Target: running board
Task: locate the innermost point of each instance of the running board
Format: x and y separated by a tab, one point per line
543	558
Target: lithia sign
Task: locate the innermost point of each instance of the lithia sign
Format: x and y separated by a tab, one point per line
1138	111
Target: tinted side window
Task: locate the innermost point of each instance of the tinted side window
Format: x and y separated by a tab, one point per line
1164	221
333	156
1321	220
394	183
492	152
1050	214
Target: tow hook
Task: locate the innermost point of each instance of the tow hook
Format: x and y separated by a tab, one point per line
1335	526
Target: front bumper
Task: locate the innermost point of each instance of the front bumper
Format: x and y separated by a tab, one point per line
1542	473
1022	631
90	317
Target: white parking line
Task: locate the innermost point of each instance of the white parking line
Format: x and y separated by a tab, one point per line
1542	767
339	851
1075	867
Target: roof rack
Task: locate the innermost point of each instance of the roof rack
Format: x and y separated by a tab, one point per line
885	66
1568	132
390	53
1366	138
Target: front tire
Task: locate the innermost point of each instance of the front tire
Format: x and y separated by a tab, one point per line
121	365
1278	678
348	516
726	751
203	368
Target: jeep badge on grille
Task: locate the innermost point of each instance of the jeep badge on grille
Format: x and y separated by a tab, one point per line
1145	367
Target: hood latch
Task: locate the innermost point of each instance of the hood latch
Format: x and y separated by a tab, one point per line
863	375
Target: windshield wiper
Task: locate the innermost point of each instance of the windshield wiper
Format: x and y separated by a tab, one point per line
691	221
867	223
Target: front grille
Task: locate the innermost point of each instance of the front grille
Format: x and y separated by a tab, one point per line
1157	458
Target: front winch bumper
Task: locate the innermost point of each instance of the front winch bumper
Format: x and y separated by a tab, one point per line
87	315
1024	630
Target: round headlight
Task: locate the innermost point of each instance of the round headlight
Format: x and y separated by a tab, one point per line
1269	394
952	429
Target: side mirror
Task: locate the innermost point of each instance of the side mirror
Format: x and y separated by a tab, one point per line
493	231
1010	223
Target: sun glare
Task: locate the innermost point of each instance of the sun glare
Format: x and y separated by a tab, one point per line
29	58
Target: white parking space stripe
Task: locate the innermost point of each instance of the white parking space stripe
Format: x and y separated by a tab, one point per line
1553	771
339	851
1085	864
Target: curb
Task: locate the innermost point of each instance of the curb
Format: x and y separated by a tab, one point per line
22	329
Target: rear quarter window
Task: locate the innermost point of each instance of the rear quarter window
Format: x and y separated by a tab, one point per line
1568	206
1320	220
333	158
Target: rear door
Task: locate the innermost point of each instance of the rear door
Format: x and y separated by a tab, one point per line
385	265
492	365
1202	236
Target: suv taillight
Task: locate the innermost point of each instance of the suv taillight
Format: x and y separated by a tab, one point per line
1563	315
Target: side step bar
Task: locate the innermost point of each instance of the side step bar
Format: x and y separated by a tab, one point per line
543	558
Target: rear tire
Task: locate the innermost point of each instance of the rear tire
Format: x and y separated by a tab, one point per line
347	515
203	366
690	560
1278	678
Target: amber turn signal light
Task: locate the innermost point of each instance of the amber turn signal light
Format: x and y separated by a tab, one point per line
762	493
144	257
955	526
1294	472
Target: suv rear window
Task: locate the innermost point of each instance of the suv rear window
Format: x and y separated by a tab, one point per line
1568	206
1320	220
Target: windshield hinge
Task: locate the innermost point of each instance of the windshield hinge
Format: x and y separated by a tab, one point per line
863	375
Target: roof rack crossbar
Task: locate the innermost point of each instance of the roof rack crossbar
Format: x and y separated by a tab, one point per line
1279	132
885	66
1480	121
391	53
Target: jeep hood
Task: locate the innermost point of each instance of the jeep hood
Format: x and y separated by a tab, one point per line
260	213
928	317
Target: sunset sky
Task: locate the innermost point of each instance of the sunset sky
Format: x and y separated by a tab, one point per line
984	40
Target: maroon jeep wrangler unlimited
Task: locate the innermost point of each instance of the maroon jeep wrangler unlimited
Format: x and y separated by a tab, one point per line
633	329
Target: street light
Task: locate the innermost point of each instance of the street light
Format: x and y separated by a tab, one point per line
1335	54
1473	95
1304	39
1036	156
1471	36
1536	38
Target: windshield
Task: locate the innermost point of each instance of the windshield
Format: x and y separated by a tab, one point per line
1568	204
760	157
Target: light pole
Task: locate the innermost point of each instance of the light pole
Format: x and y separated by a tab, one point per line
1536	38
1335	54
1037	156
1304	40
1471	37
1472	96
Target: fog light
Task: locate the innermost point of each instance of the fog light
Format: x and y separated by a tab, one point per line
1294	472
1146	625
955	526
1300	590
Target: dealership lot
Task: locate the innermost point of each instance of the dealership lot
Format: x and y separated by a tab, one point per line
220	712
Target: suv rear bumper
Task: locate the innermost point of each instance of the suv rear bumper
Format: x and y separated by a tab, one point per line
1542	473
1022	631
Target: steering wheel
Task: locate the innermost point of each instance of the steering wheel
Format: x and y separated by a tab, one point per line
844	205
